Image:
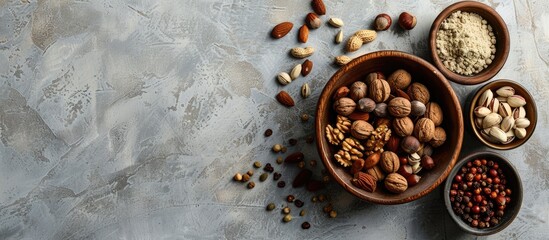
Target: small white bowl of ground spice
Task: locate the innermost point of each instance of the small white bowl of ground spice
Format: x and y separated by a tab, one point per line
469	42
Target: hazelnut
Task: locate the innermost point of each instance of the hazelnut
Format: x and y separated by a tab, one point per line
419	92
361	129
381	110
383	22
399	107
413	180
407	21
403	126
418	108
427	162
434	112
439	137
410	144
344	106
366	105
389	162
379	90
399	79
357	90
424	130
396	183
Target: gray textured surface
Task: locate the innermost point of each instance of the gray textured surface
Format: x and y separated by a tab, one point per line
127	119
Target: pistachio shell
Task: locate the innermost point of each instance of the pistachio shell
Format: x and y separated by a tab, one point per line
520	133
507	123
482	111
414	158
491	120
284	78
486	135
519	112
296	71
502	99
506	91
522	123
516	101
478	122
510	133
485	98
498	134
494	105
504	109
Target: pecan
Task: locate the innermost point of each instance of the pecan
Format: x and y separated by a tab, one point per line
364	181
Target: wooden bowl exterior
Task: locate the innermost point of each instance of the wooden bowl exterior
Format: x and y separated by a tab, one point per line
530	107
513	182
441	92
500	31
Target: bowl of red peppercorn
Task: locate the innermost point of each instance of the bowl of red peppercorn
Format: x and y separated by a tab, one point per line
483	193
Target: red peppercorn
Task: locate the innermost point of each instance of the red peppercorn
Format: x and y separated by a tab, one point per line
477	191
484	202
500	200
483	176
477	163
475	209
483	162
478	177
454	186
469	164
474	223
502	193
493	195
508	191
496	166
473	170
458	178
478	198
489	180
493	172
487	191
507	200
496	180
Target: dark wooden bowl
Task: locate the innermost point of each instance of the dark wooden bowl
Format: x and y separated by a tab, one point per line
513	182
500	31
441	92
530	107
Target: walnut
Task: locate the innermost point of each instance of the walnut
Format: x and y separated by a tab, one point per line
403	126
399	79
334	135
361	129
377	140
344	106
373	76
343	158
343	123
424	130
376	172
434	112
351	150
379	90
418	91
389	162
358	90
399	107
396	183
438	138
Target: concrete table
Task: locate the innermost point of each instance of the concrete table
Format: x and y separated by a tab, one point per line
128	119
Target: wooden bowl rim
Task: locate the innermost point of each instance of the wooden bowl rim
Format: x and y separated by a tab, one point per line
493	68
518	193
533	119
326	96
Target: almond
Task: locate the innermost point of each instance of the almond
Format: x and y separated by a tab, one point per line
372	160
302	178
303	34
357	166
341	92
285	99
281	29
294	157
357	115
313	21
364	181
306	67
319	7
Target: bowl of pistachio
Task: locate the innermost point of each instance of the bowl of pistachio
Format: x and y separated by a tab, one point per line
503	114
389	127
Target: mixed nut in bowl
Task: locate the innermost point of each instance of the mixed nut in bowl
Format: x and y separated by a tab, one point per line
503	114
469	42
483	193
389	127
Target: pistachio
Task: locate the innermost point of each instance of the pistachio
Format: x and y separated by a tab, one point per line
507	123
414	158
506	91
516	101
339	37
498	134
520	133
336	22
485	98
519	112
494	105
478	122
416	168
522	123
504	109
502	99
481	111
284	78
305	90
296	71
491	120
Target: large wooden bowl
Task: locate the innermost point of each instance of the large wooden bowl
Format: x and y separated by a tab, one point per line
500	31
388	61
